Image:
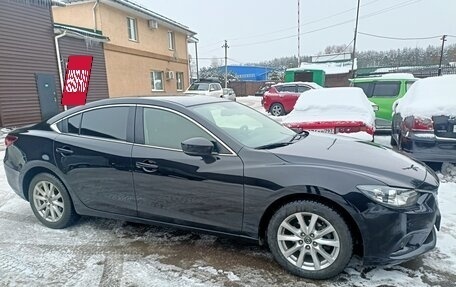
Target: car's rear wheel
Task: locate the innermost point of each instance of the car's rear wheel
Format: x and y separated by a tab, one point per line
51	202
393	141
310	239
277	109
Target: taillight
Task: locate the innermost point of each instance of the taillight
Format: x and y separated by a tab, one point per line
419	124
9	140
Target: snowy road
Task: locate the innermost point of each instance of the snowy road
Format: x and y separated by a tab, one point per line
102	252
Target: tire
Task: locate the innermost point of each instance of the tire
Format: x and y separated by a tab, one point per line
59	212
277	109
339	251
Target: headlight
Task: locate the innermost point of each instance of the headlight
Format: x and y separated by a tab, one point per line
392	196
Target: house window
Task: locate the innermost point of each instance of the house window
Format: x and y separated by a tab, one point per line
180	81
157	80
132	29
171	41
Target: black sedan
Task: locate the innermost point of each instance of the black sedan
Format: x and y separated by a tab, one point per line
213	165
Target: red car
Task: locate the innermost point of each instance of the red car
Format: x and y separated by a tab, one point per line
281	98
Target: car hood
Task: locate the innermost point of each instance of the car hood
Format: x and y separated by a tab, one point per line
351	155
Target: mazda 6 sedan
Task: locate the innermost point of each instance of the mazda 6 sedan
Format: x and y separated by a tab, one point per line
212	165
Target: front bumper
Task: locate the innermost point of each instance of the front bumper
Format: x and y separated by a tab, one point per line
394	236
429	148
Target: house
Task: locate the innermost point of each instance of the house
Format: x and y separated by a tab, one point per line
146	53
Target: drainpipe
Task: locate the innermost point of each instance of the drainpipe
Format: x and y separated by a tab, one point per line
95	16
59	61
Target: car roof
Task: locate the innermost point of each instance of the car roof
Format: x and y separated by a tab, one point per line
183	101
386	77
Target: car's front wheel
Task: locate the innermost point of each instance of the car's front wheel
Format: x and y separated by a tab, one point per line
310	239
277	110
51	202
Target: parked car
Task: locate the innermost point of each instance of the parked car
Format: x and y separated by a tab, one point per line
383	91
424	120
229	94
281	98
343	111
212	165
264	88
205	88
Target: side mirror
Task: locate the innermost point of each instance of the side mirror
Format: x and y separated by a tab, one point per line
375	107
197	147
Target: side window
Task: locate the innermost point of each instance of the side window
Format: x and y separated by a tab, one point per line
386	89
167	129
288	89
74	123
302	89
367	88
110	123
212	87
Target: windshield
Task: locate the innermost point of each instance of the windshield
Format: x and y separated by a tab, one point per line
199	87
244	124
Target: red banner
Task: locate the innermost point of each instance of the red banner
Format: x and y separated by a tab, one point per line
77	76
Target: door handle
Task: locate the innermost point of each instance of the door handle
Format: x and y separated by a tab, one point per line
64	151
147	166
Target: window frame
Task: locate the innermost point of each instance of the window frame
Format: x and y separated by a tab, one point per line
171	40
152	80
182	81
130	132
135	29
139	130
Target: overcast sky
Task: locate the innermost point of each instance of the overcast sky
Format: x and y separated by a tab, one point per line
266	29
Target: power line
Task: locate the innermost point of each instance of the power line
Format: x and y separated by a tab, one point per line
399	38
385	10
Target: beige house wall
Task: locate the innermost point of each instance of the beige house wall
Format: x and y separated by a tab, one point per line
129	63
77	14
130	75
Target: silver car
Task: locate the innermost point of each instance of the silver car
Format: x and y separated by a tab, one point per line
229	94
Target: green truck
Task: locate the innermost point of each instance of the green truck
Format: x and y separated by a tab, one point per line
305	75
383	91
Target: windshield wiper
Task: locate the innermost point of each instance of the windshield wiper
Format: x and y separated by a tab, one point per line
273	145
299	135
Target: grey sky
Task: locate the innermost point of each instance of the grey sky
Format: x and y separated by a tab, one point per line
244	23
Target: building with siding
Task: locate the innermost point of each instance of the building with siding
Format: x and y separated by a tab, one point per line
147	52
27	53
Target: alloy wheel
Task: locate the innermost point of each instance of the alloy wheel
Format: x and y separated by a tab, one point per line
48	201
276	110
308	241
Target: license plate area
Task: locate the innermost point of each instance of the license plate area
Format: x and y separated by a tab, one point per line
325	131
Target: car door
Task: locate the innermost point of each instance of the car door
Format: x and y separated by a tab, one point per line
174	187
289	94
384	94
94	152
215	90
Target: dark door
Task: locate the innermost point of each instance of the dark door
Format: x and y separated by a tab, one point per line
94	153
174	187
303	77
45	85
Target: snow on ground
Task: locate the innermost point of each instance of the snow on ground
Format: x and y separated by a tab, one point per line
107	252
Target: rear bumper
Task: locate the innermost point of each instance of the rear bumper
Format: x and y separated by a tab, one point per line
13	178
430	148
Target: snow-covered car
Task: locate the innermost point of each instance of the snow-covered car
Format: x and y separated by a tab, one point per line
205	88
345	111
424	120
229	94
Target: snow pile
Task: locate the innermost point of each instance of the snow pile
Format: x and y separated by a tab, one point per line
430	97
448	173
332	104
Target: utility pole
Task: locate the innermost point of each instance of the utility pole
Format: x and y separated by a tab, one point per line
226	63
354	40
299	35
441	54
196	54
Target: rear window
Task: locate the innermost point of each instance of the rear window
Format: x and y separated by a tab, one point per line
386	89
366	87
302	89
